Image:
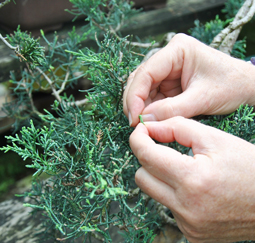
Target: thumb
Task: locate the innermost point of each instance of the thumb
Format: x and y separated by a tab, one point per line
164	162
186	104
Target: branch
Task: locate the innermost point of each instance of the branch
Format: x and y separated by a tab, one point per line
133	193
54	91
143	45
226	39
62	88
150	54
93	233
15	48
29	93
167	38
4	3
57	92
113	31
79	102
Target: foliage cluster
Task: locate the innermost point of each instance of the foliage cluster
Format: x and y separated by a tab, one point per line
239	123
28	49
82	143
231	8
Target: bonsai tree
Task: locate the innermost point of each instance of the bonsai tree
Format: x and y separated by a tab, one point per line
81	142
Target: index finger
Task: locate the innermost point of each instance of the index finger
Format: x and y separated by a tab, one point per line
167	63
162	162
141	82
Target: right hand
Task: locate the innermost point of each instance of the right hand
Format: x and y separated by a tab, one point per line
187	78
211	195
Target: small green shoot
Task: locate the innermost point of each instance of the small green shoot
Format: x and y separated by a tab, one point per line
141	119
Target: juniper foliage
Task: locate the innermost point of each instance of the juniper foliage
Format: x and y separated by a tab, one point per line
239	123
82	148
82	145
231	8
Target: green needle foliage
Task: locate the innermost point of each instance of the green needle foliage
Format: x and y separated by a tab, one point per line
84	148
231	8
104	15
82	144
87	155
239	123
29	48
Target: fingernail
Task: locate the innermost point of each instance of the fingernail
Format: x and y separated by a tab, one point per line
148	117
130	118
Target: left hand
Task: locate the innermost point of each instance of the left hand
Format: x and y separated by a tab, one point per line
188	78
211	195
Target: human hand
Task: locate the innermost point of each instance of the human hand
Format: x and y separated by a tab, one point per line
211	195
188	78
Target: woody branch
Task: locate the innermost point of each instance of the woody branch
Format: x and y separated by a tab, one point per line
226	39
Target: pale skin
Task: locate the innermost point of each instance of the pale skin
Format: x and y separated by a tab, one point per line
211	195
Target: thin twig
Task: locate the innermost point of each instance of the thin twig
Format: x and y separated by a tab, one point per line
121	169
143	45
4	3
167	38
136	44
79	102
120	57
138	54
54	91
15	48
134	193
150	53
57	92
120	24
98	25
30	96
132	43
62	88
